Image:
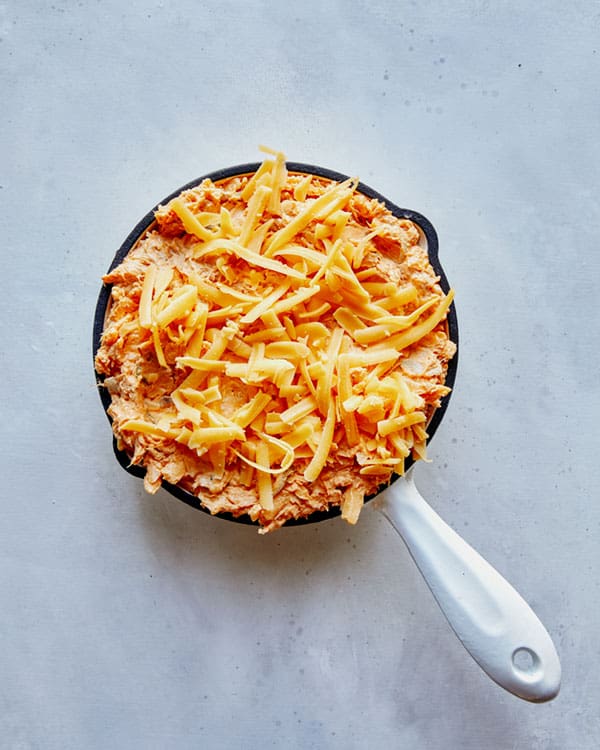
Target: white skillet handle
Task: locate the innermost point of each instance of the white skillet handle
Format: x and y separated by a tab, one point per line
495	624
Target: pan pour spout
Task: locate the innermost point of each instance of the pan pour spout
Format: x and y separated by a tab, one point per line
493	621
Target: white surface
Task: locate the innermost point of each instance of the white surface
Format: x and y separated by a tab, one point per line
130	621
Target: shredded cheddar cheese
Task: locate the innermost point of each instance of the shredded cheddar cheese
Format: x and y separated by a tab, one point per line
285	359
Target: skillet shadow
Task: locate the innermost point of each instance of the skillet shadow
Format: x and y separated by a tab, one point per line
287	573
184	536
297	573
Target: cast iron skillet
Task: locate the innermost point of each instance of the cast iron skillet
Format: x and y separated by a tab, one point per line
430	240
494	623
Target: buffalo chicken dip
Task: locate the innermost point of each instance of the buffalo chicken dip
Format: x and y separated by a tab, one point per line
275	344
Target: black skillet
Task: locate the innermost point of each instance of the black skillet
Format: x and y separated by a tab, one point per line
429	238
496	626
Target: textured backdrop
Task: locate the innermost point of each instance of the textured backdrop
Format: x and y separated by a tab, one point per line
130	621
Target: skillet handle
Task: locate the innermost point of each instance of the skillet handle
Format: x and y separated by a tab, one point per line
494	623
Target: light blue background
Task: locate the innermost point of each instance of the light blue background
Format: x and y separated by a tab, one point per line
130	621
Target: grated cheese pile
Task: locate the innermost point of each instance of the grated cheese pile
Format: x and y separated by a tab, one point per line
275	344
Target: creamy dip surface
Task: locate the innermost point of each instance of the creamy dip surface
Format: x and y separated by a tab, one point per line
275	344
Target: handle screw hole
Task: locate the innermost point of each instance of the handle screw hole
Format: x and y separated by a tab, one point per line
525	660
